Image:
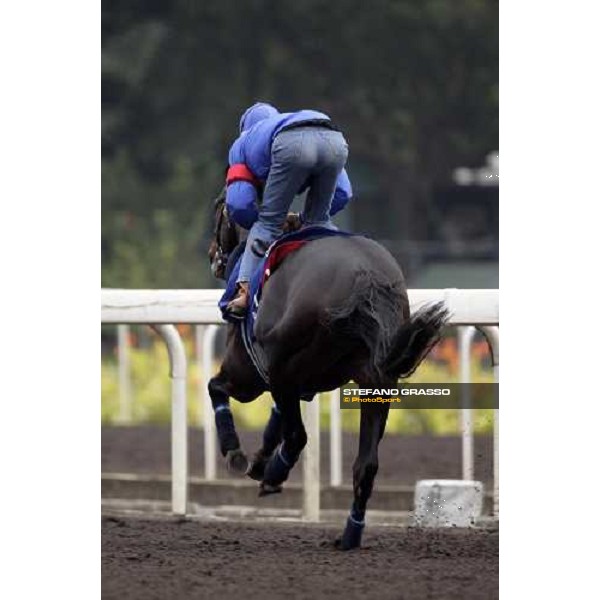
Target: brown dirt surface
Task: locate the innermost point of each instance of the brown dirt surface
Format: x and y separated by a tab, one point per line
177	558
402	459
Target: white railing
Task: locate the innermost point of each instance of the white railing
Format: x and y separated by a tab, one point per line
164	308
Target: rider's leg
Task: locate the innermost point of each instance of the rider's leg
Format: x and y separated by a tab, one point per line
289	170
332	156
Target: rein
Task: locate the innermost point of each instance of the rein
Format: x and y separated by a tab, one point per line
221	256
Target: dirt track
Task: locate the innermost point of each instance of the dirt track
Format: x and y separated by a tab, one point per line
402	459
168	559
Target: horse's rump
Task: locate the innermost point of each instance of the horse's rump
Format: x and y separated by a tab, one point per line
334	303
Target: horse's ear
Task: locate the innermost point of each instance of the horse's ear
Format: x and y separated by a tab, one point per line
223	193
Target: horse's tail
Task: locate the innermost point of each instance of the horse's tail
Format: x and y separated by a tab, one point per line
369	316
415	339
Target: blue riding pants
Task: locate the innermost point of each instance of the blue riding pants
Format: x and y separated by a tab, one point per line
300	156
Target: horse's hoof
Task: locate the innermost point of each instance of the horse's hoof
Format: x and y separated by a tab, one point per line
256	470
236	461
344	545
351	537
267	489
258	463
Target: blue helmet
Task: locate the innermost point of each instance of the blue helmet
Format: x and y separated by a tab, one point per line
257	112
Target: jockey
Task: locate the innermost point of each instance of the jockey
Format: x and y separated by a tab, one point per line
281	155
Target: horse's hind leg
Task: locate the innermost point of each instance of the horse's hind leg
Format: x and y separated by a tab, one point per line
229	441
272	436
373	418
285	457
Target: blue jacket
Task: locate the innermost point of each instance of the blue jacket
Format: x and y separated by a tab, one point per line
258	127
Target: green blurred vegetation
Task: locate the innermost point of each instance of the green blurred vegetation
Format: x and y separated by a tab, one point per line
152	398
413	84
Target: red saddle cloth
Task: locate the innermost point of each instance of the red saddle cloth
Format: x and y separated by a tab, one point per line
278	255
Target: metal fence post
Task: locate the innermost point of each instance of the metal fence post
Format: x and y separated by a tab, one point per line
178	373
492	335
311	473
125	399
465	337
210	431
335	438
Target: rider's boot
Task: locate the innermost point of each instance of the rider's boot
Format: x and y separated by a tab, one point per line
238	306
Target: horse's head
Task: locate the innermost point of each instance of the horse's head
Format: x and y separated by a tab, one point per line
225	238
227	235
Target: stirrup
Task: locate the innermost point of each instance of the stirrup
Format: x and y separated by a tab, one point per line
236	312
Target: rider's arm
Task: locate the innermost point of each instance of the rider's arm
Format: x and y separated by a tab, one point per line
241	200
343	193
241	203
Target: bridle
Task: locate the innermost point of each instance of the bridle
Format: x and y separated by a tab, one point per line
225	240
227	235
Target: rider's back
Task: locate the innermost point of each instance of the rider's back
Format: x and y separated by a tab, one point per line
253	147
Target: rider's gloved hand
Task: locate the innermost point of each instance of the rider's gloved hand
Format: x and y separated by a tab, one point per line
293	222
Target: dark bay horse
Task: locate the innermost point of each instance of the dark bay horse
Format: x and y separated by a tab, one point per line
335	310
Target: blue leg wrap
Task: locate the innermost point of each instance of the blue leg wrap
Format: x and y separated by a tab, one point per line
357	516
228	438
278	468
355	525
